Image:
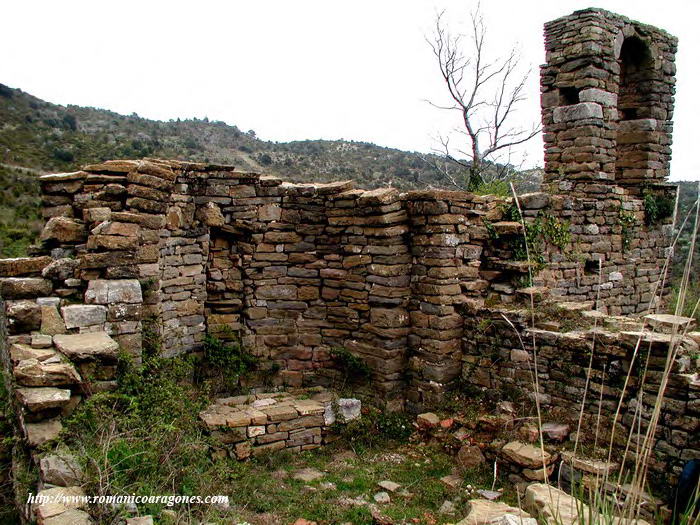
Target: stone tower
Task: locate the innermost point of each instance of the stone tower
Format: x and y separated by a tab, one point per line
607	101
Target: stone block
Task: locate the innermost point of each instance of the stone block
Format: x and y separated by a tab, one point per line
605	98
581	111
24	287
62	470
31	372
39	433
83	315
63	230
38	399
93	345
102	291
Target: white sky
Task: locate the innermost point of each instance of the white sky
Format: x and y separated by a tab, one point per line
301	69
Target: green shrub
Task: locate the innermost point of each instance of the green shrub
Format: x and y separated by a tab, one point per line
352	367
657	207
376	428
228	360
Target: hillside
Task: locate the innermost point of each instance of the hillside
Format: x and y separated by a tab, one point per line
49	137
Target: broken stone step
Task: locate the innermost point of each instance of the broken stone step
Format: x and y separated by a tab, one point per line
89	345
575	306
538	293
511	266
527	455
507	228
31	372
44	398
39	433
592	466
62	470
668	324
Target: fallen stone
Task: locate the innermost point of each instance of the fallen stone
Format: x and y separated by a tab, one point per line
482	511
87	346
592	466
470	456
527	455
62	470
349	408
668	323
389	486
451	480
512	519
382	498
40	433
529	432
427	420
555	431
70	517
447	508
491	495
38	399
538	474
308	474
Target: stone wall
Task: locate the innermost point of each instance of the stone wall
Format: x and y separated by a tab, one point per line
501	356
174	250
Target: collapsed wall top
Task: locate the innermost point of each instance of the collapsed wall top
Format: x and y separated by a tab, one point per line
607	101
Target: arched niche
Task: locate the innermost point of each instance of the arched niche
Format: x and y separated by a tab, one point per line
638	147
636	63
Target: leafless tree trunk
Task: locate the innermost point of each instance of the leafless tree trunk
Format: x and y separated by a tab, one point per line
486	93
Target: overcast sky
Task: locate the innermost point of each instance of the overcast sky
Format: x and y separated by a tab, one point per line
301	69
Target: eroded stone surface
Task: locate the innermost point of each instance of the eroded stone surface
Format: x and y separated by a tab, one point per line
90	345
62	470
483	511
37	399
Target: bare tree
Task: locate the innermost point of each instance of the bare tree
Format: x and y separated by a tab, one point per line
486	93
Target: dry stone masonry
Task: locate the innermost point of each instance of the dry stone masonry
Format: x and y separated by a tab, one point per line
415	285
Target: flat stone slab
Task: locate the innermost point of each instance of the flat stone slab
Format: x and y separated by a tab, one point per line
103	291
86	346
389	486
40	433
308	474
70	517
592	466
37	399
83	315
483	511
62	499
52	372
62	470
527	455
667	323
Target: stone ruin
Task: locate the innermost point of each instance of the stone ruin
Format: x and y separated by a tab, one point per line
418	285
